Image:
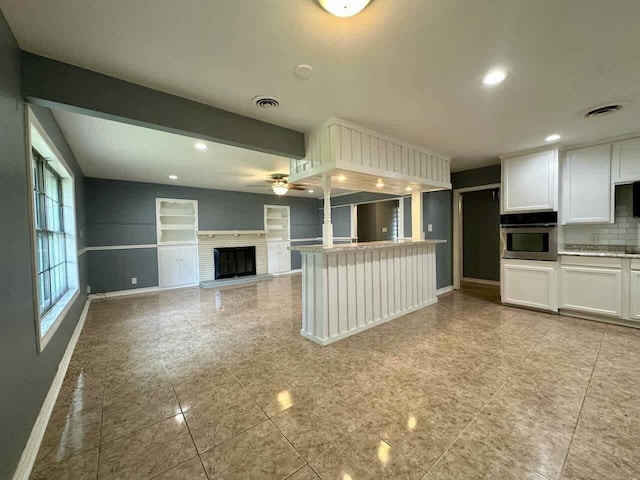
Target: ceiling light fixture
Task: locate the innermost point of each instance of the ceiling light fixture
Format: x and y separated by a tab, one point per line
379	184
279	187
201	146
310	191
408	188
173	177
552	138
344	8
303	71
494	77
341	178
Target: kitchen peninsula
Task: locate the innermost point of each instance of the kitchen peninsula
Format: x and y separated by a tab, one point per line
347	289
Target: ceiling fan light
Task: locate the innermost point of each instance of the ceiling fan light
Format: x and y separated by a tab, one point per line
279	188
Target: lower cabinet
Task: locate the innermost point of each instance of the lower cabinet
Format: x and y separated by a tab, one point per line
591	285
278	257
177	265
634	297
530	283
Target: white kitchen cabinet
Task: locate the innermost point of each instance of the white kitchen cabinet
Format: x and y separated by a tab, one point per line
634	296
530	182
586	186
591	285
530	283
626	161
278	257
177	265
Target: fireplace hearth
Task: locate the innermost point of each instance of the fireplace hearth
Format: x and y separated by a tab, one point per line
234	262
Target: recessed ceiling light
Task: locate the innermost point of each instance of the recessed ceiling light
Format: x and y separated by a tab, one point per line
173	177
310	191
303	71
344	8
552	138
201	146
494	77
341	178
379	184
408	188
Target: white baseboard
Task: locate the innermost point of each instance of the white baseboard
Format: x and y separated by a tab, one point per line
136	291
444	290
30	452
480	280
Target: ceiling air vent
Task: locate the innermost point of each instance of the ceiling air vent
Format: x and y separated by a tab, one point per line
602	110
266	102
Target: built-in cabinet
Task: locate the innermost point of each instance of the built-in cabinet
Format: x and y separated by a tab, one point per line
531	284
177	265
177	227
591	285
586	186
634	294
626	161
277	223
530	182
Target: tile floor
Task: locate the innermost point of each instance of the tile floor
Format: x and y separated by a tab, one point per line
203	384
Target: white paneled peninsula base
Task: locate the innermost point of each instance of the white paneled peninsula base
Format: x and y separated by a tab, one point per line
350	288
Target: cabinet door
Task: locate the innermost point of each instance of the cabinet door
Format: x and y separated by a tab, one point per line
529	182
530	284
591	290
586	185
273	257
284	257
188	265
626	161
634	297
168	266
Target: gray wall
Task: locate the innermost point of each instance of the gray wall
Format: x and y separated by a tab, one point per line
374	217
25	375
481	235
476	176
124	213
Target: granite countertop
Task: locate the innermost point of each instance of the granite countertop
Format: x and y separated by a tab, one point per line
352	247
613	251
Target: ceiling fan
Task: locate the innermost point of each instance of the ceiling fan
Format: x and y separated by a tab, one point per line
279	184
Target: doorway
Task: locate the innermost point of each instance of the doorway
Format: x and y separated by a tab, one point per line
477	235
378	221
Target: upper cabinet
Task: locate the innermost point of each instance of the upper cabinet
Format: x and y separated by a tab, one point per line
626	161
530	182
586	186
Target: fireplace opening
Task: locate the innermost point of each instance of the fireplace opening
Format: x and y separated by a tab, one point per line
234	262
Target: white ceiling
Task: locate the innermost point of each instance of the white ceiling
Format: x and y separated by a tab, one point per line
108	149
408	68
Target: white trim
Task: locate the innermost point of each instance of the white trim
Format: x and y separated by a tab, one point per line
59	316
82	252
290	272
30	452
458	227
393	198
123	247
480	280
234	233
314	239
367	326
137	291
443	290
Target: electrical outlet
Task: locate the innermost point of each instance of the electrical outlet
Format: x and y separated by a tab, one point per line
384	229
430	228
134	281
88	288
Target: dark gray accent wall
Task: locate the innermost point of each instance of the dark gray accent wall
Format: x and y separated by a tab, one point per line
341	220
373	218
437	208
124	213
25	375
481	235
476	176
60	85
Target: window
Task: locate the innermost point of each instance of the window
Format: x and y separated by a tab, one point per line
55	265
51	257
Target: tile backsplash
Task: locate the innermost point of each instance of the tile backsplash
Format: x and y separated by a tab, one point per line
625	232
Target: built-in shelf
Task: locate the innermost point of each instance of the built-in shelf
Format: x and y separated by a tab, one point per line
276	222
176	221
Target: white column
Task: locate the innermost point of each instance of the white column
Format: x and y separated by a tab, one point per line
417	230
327	226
